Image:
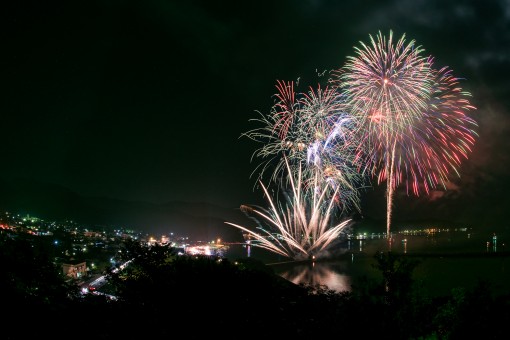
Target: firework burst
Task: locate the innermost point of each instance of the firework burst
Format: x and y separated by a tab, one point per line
411	119
299	228
309	128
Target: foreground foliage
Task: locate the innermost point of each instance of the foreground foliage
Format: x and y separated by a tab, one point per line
164	294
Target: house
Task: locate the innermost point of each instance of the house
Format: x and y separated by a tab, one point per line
75	270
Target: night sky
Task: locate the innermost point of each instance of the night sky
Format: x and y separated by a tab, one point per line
147	100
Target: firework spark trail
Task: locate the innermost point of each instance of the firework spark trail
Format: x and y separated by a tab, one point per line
284	108
411	118
444	136
309	127
302	227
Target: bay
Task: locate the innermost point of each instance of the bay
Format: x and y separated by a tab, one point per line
447	260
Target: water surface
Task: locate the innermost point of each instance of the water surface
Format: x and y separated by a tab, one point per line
447	260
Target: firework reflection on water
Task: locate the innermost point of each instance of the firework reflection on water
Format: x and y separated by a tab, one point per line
330	275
